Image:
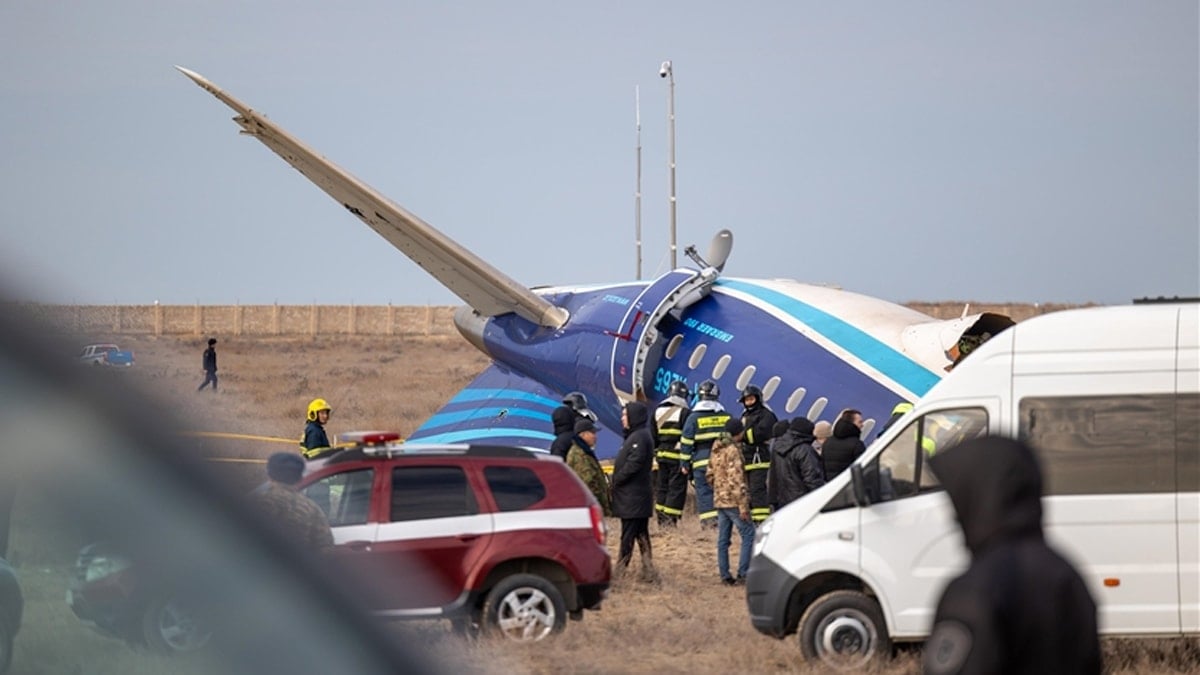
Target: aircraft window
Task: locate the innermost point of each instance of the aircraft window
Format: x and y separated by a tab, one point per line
673	346
794	400
868	425
817	408
697	355
744	378
722	364
770	387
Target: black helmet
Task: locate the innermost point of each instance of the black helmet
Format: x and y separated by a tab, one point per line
708	391
576	400
678	388
751	390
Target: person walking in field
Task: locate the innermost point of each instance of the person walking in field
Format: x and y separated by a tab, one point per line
210	366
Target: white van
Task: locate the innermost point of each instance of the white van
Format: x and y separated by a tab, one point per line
1109	397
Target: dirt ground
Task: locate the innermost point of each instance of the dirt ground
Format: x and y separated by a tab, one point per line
688	622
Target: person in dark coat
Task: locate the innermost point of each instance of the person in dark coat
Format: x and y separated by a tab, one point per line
777	433
759	420
1020	607
209	362
633	489
564	417
838	452
796	464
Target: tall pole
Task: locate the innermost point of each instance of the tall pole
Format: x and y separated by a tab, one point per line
637	197
669	73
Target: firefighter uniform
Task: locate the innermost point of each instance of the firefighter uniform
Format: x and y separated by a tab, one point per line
758	421
703	426
666	427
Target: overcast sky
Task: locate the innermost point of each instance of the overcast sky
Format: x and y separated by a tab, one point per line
1003	151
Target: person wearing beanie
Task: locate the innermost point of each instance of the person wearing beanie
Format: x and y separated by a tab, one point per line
821	430
731	499
582	460
209	363
796	465
297	517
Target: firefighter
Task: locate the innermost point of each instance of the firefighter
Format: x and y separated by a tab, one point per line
704	425
666	429
315	444
758	421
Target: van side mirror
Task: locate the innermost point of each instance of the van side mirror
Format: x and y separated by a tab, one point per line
858	485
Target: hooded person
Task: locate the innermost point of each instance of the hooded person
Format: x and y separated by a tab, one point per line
796	464
633	489
1020	607
777	433
845	446
574	408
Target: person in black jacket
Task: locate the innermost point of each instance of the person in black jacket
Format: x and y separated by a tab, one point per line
209	363
564	417
666	428
838	452
1020	607
777	440
758	420
633	490
796	464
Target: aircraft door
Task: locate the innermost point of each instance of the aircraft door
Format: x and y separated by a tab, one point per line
638	344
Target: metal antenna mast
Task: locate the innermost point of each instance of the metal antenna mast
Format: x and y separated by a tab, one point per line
637	199
666	71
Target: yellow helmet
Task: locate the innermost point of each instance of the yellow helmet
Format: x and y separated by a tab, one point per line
317	405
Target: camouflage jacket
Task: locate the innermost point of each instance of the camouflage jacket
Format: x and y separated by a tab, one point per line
297	516
588	468
727	476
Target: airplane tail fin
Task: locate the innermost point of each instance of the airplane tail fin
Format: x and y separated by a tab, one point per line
483	287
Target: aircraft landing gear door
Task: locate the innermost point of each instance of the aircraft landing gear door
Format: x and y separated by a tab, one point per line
637	345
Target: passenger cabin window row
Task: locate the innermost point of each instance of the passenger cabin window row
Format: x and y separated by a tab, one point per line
745	377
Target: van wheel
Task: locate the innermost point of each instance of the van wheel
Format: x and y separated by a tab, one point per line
844	630
524	608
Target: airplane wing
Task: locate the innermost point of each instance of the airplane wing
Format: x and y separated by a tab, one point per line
503	407
483	287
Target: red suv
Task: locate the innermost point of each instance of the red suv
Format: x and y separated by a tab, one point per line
504	539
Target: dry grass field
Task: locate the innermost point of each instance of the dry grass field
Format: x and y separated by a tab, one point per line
686	623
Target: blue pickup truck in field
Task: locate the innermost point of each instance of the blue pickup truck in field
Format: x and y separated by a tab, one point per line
105	355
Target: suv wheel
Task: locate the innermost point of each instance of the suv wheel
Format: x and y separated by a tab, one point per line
524	608
844	630
170	626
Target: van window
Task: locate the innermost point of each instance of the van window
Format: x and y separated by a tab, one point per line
901	470
1104	444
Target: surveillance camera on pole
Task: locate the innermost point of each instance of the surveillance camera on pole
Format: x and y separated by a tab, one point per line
665	69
